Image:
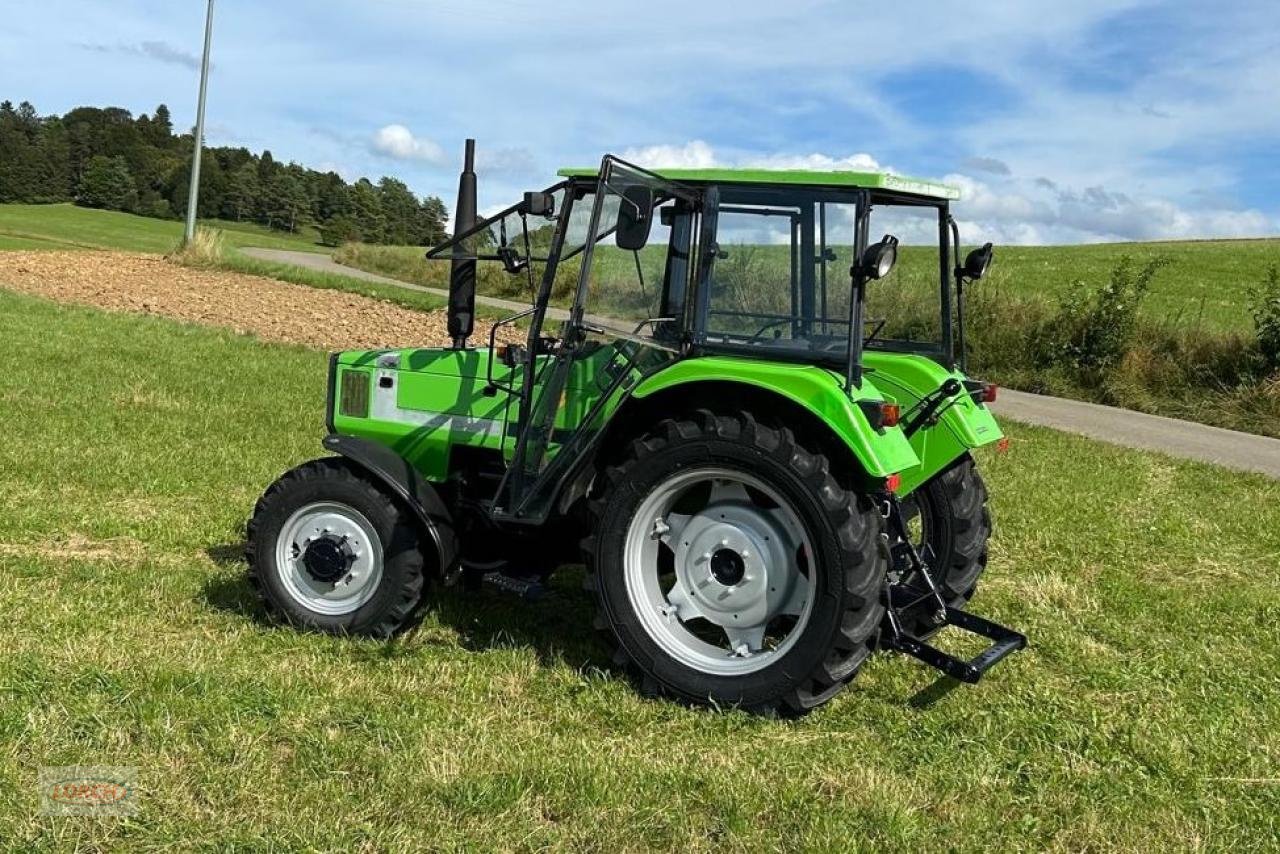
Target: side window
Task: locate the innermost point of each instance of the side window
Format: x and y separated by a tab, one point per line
781	275
755	276
904	309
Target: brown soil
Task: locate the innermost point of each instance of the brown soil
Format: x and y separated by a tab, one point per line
269	309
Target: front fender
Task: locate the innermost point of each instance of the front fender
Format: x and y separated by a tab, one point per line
881	452
395	472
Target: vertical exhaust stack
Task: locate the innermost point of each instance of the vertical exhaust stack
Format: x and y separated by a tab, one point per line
462	275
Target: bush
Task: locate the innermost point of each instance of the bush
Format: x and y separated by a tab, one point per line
1266	318
1092	330
204	250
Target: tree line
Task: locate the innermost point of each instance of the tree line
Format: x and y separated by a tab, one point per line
105	158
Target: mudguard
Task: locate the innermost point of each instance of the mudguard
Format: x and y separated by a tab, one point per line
881	452
392	470
962	426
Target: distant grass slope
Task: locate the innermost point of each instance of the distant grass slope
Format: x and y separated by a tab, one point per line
1207	282
1143	716
71	227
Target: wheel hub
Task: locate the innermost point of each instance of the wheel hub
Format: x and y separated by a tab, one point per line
728	567
328	559
724	560
740	562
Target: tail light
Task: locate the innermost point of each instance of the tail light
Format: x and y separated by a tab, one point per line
881	414
989	392
893	483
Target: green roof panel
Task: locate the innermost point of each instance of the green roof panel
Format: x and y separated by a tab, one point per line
806	177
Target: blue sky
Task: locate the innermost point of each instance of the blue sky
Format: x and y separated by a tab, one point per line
1063	122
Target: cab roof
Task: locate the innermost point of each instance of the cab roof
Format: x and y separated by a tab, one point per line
805	177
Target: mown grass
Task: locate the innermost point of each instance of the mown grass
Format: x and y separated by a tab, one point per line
1143	717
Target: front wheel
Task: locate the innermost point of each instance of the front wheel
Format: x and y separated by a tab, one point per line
730	567
328	549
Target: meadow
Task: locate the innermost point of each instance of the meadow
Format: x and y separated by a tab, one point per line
1142	717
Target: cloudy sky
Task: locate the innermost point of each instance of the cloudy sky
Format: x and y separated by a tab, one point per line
1063	122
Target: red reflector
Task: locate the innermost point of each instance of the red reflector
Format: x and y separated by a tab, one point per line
892	482
1002	445
989	392
890	413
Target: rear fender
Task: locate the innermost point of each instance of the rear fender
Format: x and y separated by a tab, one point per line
963	426
820	392
395	472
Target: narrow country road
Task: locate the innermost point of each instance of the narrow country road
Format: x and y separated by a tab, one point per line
1186	439
325	264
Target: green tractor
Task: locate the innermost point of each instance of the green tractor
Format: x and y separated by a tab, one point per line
746	416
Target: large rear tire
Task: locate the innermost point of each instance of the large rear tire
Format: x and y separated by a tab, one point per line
330	550
730	568
949	514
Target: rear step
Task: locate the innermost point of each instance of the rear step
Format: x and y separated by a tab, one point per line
900	599
1004	642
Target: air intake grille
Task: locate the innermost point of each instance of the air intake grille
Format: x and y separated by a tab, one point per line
355	394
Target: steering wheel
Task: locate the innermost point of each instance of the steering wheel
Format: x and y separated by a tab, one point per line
879	327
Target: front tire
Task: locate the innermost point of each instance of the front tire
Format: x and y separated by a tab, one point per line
329	550
731	569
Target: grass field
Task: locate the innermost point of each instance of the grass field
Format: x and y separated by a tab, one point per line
1143	717
71	227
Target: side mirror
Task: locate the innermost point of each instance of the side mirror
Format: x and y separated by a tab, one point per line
512	261
978	262
635	218
539	204
879	259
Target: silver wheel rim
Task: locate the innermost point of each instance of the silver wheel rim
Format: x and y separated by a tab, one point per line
349	530
735	590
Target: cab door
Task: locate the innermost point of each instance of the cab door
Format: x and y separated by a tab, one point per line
628	320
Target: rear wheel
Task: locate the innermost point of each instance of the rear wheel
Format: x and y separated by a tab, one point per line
328	549
730	567
949	514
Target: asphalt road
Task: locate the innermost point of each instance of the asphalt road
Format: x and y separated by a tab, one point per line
1185	439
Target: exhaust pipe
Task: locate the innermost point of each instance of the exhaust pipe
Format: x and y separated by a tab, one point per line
462	274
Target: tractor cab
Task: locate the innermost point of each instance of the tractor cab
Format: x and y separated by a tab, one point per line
730	390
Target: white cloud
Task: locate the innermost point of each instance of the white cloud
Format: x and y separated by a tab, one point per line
691	155
1002	208
1043	212
399	143
700	155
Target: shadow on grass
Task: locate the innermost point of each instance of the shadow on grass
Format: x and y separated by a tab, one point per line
557	627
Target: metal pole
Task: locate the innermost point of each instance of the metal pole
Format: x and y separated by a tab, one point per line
194	196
